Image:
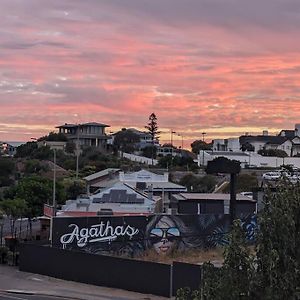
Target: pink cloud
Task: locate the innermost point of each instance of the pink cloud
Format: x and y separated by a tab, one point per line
117	64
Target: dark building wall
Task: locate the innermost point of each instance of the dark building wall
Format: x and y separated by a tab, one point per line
245	207
206	207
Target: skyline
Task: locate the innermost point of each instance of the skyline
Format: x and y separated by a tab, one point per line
220	67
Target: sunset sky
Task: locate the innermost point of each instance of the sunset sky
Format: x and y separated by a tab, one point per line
224	67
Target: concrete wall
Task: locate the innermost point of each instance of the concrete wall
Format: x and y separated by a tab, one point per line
141	159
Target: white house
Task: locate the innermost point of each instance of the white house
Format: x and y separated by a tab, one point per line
120	199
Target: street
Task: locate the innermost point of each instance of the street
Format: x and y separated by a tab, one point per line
34	286
20	296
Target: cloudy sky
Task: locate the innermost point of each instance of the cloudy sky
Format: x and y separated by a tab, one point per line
223	67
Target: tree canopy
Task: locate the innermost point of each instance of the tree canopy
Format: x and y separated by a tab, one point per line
200	145
125	140
152	126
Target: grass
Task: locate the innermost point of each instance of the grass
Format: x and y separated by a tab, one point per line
195	256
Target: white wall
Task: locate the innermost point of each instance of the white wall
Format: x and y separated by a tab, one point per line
141	159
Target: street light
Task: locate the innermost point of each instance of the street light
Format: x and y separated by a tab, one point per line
181	140
172	145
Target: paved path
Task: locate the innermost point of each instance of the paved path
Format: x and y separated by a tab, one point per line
12	279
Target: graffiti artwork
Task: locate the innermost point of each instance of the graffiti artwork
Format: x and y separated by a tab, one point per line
132	235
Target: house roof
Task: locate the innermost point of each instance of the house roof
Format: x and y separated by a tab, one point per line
268	139
66	125
290	134
226	153
120	198
209	196
101	174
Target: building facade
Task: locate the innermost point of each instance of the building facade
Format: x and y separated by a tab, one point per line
86	134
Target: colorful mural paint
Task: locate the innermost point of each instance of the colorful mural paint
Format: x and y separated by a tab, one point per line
132	235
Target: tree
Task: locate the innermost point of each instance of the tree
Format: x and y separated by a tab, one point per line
153	127
7	167
70	147
14	209
34	166
126	140
74	188
238	266
247	147
54	137
244	183
26	150
149	151
200	145
232	281
205	184
278	245
272	152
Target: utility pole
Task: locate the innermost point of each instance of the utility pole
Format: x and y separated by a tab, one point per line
172	146
53	197
181	140
203	134
54	182
77	151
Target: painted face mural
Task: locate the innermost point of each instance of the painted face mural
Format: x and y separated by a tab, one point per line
164	235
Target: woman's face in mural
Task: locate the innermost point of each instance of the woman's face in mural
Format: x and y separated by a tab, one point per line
164	235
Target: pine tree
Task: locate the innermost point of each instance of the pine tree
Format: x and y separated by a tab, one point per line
153	127
153	130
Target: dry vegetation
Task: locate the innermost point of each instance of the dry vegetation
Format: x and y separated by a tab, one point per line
196	256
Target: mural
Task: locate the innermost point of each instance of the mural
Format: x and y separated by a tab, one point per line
132	235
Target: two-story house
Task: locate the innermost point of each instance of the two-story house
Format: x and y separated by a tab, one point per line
87	134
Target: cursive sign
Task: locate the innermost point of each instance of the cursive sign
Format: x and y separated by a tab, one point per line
102	232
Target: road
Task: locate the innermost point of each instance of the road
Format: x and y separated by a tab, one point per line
21	296
37	286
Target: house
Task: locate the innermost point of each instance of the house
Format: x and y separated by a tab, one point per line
120	199
203	203
152	183
9	148
163	151
286	140
102	179
230	144
145	138
87	134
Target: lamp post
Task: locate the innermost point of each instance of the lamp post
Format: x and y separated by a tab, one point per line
77	152
181	140
172	132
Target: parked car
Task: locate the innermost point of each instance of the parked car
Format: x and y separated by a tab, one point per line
247	194
272	176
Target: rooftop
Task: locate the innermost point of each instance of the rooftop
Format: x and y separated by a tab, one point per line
210	196
66	125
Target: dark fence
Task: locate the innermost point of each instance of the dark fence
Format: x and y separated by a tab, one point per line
186	276
133	275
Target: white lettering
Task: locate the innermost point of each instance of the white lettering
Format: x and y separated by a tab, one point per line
96	233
